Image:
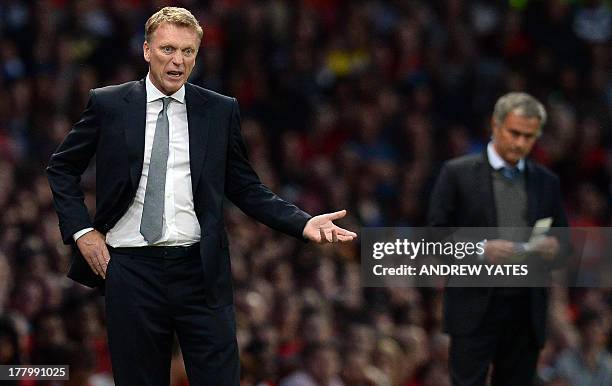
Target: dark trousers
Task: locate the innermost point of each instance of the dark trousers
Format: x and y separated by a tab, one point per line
148	300
505	340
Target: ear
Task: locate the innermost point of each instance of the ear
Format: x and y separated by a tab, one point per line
493	123
494	126
146	50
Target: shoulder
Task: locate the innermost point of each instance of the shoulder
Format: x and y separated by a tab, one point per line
542	172
209	95
117	90
464	162
460	171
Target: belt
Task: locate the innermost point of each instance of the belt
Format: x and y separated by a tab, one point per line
159	252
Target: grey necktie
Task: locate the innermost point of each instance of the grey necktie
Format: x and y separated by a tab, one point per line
153	209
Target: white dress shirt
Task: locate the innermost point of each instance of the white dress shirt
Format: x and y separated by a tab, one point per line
180	225
497	162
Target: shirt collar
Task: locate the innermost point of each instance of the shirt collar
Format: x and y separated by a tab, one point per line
154	94
497	162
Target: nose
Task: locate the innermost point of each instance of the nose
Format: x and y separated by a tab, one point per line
177	58
522	141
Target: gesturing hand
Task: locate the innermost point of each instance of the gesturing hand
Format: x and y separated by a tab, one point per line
548	247
321	229
93	248
497	251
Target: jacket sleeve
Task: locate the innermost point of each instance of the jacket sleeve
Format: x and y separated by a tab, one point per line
442	215
246	191
442	201
67	165
560	228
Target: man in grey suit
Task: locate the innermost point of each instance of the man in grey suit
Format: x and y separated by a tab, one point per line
501	187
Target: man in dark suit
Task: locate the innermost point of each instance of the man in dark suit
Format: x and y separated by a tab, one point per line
167	153
504	327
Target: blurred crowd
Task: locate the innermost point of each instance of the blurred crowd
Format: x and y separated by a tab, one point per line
344	104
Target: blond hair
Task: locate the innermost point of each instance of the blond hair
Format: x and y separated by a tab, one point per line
173	15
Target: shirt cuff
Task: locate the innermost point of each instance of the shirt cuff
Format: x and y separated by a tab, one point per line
80	233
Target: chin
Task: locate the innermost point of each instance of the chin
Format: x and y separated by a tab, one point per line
172	88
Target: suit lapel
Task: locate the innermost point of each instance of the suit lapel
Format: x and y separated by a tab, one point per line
532	192
134	129
485	190
198	118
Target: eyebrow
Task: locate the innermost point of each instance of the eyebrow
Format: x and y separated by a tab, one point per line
516	131
174	46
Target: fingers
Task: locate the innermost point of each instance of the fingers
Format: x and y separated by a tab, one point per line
345	232
98	261
97	256
106	256
345	238
336	235
507	246
94	263
343	235
552	242
323	237
101	265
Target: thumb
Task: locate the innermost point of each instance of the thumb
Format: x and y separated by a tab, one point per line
336	215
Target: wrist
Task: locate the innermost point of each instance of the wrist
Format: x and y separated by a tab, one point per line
81	233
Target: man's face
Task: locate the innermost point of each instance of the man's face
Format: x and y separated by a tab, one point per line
515	136
171	54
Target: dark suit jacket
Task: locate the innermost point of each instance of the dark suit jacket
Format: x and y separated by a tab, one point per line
113	128
463	197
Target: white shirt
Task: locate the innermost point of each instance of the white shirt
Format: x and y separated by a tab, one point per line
180	225
497	162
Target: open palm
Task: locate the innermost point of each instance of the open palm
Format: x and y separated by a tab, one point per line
321	229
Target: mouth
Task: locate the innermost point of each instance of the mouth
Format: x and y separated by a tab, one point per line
174	74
